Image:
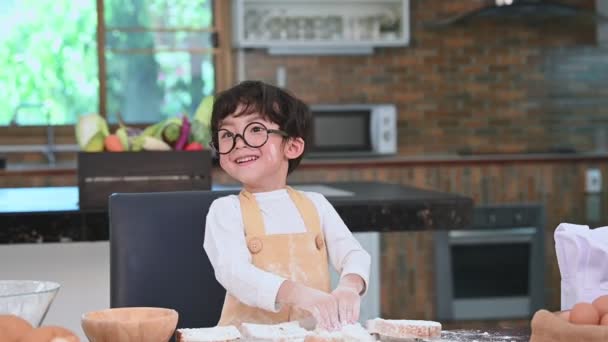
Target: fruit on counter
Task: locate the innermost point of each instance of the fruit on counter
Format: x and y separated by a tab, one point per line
180	144
204	110
49	334
91	130
194	146
12	327
112	143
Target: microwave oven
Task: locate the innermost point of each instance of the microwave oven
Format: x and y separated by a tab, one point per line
353	130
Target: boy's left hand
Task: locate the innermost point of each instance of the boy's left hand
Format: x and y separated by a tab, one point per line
349	303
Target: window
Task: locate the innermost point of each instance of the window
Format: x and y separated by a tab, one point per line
48	61
157	58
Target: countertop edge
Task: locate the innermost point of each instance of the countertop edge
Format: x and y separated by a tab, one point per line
394	161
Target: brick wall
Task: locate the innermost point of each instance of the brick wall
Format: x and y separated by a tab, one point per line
487	86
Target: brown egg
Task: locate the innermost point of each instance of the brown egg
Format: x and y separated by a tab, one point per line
584	313
601	305
604	320
49	334
13	327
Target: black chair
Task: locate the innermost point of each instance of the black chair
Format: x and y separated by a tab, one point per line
157	256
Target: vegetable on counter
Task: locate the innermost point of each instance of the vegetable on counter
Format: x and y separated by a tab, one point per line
112	143
174	133
154	144
194	146
91	131
184	134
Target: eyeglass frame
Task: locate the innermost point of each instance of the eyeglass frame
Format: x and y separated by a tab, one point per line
236	135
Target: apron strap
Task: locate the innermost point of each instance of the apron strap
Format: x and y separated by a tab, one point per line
252	215
307	210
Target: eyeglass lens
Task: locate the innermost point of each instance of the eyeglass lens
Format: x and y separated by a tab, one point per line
254	135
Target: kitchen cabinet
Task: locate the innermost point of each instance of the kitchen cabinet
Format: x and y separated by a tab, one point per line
320	27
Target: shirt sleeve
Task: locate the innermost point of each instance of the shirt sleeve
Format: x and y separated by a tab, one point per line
345	252
226	248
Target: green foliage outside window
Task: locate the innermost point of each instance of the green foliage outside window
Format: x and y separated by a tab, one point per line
48	59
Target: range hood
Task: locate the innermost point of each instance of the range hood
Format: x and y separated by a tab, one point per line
529	10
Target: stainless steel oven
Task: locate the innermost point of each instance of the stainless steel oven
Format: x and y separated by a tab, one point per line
493	270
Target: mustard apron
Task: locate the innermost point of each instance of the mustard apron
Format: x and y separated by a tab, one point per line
300	257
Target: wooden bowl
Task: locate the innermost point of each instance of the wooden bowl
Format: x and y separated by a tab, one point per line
130	324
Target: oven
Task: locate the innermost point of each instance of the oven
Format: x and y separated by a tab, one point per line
495	269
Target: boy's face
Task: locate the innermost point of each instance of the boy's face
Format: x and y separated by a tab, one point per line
262	168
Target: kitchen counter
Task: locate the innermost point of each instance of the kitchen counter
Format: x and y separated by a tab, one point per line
52	213
69	167
486	335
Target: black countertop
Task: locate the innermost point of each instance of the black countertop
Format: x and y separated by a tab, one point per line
52	213
489	335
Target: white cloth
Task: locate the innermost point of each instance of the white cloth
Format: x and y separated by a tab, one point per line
227	250
582	256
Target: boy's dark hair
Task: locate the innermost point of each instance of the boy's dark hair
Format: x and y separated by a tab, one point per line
274	104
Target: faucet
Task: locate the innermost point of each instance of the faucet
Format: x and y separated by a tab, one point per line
50	130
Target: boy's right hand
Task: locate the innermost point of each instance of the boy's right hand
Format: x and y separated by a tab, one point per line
322	306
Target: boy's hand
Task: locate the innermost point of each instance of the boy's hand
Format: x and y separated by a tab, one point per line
322	306
349	300
349	303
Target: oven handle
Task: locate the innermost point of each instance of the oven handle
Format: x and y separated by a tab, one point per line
476	237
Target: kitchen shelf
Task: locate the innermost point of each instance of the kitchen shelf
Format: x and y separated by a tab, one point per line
320	27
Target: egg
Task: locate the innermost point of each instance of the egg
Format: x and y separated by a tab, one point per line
601	305
13	327
49	334
604	320
584	313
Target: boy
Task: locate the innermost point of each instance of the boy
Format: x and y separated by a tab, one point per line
269	246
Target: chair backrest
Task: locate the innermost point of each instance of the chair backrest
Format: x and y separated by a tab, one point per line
157	256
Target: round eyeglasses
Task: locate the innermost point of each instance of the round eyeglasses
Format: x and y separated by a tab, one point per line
254	135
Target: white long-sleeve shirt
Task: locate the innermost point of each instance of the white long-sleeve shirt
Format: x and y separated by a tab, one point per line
227	250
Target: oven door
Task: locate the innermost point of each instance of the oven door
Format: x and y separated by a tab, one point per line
487	274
